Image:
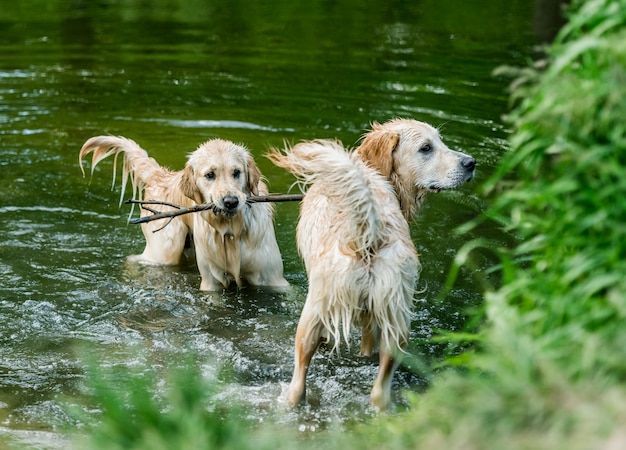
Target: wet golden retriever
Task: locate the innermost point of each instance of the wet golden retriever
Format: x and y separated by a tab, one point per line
234	242
353	235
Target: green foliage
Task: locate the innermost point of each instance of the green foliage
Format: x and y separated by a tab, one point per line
133	416
567	292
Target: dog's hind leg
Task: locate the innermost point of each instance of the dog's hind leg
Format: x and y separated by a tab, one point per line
164	247
381	392
368	336
308	338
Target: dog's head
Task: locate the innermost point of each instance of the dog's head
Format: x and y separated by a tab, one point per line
221	173
413	157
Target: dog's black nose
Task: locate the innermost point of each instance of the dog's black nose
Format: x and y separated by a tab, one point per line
230	202
469	163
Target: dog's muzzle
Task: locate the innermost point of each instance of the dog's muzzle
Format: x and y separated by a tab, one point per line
465	174
230	206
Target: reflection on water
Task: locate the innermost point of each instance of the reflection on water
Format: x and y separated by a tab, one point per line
210	124
170	78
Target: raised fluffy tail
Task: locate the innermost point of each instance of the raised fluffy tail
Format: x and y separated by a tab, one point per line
137	166
350	183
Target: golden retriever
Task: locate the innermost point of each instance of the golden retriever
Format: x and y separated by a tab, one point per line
353	235
234	241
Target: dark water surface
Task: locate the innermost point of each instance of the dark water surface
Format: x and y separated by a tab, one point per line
170	75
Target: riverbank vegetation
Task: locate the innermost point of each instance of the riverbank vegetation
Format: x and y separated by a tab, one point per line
548	368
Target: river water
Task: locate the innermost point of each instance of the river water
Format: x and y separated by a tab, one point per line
170	75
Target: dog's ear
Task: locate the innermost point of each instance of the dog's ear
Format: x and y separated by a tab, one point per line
188	185
377	150
254	176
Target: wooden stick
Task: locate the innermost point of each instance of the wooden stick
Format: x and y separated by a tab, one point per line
179	210
278	198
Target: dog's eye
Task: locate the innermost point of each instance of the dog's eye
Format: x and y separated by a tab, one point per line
210	175
236	173
426	148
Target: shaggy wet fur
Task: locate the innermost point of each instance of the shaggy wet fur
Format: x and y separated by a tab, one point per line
353	235
234	242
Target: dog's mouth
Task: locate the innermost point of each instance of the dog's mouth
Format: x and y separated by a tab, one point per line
224	212
437	187
227	206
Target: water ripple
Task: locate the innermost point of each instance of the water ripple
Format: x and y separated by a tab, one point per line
209	124
57	209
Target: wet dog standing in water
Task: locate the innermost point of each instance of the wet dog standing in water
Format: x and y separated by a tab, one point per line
353	235
234	242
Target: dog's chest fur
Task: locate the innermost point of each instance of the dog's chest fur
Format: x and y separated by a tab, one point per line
227	239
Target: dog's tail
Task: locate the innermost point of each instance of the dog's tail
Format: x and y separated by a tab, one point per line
351	184
137	165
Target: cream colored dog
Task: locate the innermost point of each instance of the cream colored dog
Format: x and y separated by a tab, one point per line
234	242
353	235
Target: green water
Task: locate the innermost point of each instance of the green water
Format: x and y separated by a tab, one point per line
170	75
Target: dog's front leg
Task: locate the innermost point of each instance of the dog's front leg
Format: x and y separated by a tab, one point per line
213	278
210	283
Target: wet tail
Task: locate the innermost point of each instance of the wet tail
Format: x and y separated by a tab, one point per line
350	183
137	166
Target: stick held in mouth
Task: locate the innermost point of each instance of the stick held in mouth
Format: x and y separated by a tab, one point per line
178	210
